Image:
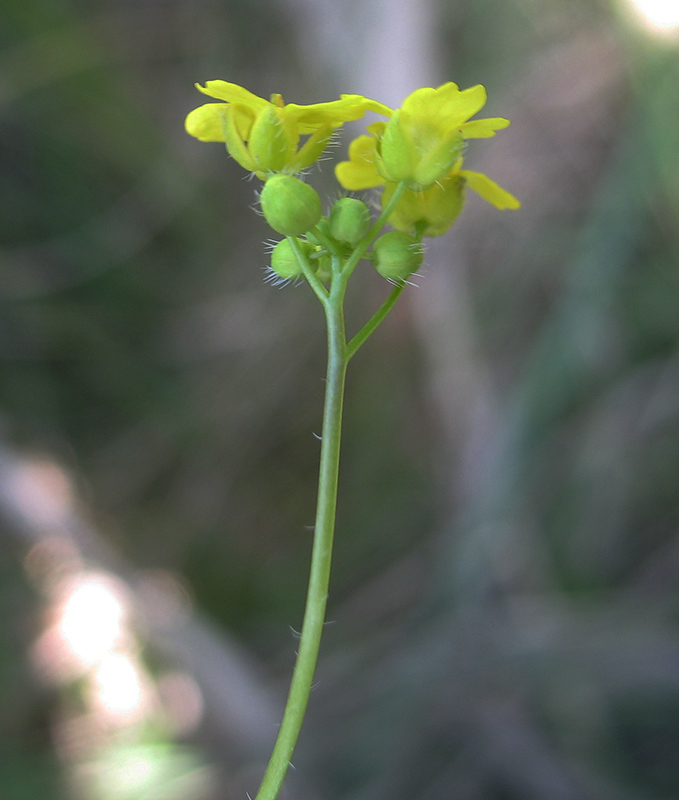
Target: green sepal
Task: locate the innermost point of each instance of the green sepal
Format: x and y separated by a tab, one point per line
439	161
312	149
234	142
271	144
394	152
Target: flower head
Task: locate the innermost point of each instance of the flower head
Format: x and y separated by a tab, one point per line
424	139
422	144
263	136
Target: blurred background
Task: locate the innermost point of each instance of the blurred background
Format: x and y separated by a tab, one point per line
505	589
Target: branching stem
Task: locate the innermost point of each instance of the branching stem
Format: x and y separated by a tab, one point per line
339	353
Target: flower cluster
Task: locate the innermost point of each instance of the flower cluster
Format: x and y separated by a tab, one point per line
415	158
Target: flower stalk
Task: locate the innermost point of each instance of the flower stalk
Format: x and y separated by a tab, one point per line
321	557
415	159
339	354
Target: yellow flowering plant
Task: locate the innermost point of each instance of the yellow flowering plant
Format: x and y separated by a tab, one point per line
415	160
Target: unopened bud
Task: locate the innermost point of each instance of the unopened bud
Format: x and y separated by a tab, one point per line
397	255
284	261
289	205
349	220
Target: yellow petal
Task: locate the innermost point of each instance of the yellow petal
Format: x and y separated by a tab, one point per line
446	105
355	176
244	118
374	105
420	101
489	190
335	112
232	93
360	171
464	104
483	128
205	122
376	129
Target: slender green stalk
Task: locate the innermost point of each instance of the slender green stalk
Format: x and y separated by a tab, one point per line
314	614
319	289
339	353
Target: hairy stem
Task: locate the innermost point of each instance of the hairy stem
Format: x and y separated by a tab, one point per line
314	614
339	353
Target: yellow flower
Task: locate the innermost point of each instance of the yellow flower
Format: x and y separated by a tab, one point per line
264	136
426	211
423	140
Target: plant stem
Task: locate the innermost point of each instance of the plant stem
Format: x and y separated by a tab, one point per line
317	595
339	353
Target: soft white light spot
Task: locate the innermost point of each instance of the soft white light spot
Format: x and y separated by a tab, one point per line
658	16
92	615
119	689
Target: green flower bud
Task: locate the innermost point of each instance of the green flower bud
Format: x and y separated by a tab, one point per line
284	261
289	205
397	255
349	220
